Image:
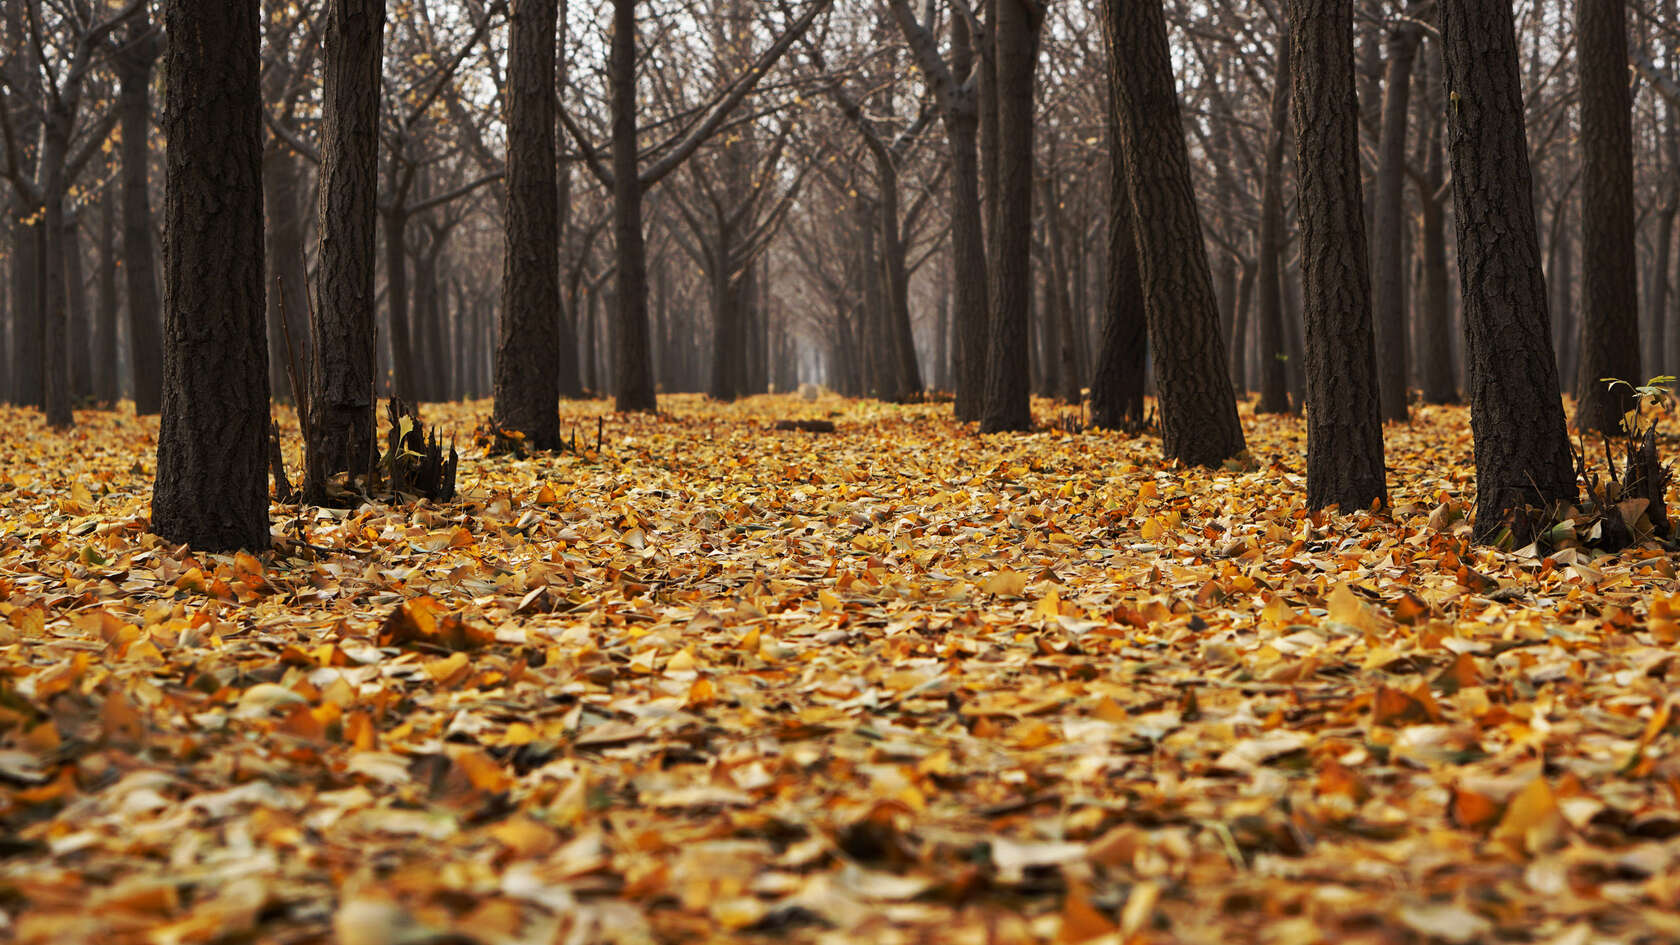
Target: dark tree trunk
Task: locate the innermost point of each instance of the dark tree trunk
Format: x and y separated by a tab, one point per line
105	358
1199	423
1389	229
287	274
904	374
1274	366
1123	359
1437	364
1610	280
403	383
1008	404
134	61
632	376
80	322
343	360
1241	320
212	465
1344	424
971	308
1516	415
55	387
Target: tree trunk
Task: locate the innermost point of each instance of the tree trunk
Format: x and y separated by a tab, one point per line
1123	358
1344	422
1516	416
1274	367
105	357
1389	230
134	61
970	305
343	361
212	464
632	376
904	371
1008	403
528	352
1199	423
80	323
1437	364
1610	283
287	273
55	310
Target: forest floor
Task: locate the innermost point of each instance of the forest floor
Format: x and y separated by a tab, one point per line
900	683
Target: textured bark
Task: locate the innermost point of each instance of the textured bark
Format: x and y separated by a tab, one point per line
632	376
1516	414
1123	358
1344	425
342	333
212	466
1610	279
528	349
904	374
1199	423
134	61
1389	228
1008	403
1274	366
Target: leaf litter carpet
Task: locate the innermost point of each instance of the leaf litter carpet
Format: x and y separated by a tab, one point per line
901	683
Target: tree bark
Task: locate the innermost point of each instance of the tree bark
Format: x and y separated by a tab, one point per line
632	378
1008	403
1274	366
80	334
105	358
211	490
342	330
1344	422
287	273
1123	358
1437	364
134	61
1389	229
55	310
1610	282
1516	415
528	351
1199	423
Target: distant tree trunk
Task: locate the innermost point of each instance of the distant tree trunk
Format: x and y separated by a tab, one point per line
287	273
1123	359
27	356
1008	403
55	149
903	371
134	61
212	464
1199	423
1274	367
632	374
1516	415
105	357
341	399
969	301
1437	365
1344	423
1389	229
403	382
81	335
1610	283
